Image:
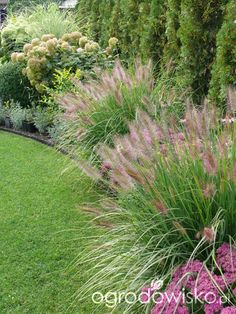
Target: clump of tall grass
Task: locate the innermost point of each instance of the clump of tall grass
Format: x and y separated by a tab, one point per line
175	198
50	20
104	107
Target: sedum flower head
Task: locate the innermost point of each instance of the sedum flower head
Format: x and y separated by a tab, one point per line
203	284
226	258
229	310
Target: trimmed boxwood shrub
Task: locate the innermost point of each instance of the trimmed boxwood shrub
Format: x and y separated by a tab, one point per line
13	85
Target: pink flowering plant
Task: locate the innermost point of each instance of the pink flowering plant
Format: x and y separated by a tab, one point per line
174	197
194	286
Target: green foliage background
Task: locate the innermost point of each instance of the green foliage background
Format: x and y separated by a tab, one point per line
191	42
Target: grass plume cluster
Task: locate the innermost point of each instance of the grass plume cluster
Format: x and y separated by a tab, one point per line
103	107
174	190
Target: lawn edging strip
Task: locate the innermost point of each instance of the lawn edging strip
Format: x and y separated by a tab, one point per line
43	139
37	137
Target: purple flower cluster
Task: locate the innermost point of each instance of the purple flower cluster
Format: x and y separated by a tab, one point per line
193	282
226	258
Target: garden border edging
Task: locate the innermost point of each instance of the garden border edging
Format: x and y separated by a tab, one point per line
31	136
43	139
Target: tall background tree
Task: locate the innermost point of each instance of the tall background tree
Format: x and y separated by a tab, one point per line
199	23
192	43
224	67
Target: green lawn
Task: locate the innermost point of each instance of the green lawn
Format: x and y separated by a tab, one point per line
40	228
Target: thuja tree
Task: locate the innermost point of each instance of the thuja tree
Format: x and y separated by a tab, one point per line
142	25
105	15
223	73
153	41
199	24
132	13
119	28
127	24
179	35
138	24
84	11
95	20
167	87
172	47
116	15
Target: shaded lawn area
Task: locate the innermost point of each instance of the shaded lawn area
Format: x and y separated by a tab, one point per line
40	229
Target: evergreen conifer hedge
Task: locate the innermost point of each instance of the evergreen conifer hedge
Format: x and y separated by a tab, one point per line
197	39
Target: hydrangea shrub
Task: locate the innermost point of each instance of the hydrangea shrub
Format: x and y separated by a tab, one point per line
43	57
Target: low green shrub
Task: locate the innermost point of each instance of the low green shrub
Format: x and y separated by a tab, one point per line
29	114
57	132
14	85
17	116
43	119
2	114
